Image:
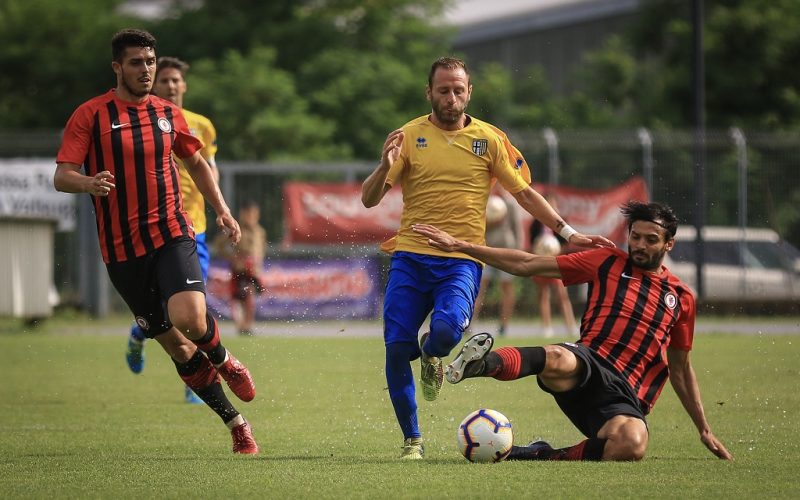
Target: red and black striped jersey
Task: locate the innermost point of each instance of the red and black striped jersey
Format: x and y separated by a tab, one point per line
135	142
631	316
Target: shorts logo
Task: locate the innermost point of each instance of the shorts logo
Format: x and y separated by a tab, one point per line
479	146
518	163
164	125
671	300
143	324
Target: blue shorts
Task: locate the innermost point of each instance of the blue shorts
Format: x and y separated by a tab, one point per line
202	254
419	284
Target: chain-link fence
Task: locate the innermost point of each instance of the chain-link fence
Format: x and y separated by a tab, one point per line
751	179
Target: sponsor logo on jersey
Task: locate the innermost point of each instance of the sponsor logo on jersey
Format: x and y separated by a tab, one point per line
164	125
479	146
421	143
671	300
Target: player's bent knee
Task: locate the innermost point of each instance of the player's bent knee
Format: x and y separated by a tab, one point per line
560	361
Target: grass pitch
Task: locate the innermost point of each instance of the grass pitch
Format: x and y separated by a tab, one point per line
74	422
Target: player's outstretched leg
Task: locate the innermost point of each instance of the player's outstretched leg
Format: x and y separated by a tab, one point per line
588	449
470	360
431	373
134	355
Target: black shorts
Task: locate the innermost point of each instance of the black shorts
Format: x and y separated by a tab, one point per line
601	394
147	282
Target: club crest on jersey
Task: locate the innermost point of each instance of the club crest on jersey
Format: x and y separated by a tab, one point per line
422	143
164	125
671	300
479	146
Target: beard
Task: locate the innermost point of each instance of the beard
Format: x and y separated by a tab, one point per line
648	263
133	91
447	116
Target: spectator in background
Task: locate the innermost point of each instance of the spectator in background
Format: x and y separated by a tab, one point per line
502	230
170	84
246	261
544	242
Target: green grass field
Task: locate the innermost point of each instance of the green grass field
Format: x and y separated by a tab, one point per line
74	422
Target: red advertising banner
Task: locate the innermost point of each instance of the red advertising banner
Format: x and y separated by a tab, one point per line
332	214
592	211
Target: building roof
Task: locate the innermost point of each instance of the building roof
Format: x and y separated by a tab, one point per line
480	20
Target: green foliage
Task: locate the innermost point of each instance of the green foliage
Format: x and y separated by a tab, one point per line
76	423
257	110
55	55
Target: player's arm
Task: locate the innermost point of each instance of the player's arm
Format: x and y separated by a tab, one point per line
509	260
69	179
374	187
203	178
539	208
684	381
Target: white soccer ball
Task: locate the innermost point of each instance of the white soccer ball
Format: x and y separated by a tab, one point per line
496	209
547	244
485	436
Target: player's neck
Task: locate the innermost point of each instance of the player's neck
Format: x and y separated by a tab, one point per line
122	94
450	127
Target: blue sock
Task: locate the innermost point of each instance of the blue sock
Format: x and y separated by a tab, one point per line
442	338
137	333
401	386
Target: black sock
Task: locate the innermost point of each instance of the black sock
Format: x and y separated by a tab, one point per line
201	377
215	398
511	363
210	343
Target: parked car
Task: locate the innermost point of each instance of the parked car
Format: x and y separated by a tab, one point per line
745	265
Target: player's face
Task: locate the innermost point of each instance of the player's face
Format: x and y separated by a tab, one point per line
449	95
136	71
648	244
170	85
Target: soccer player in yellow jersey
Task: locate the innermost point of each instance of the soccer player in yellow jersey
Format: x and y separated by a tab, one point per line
170	84
445	163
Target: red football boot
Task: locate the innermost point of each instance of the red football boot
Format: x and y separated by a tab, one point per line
243	441
238	378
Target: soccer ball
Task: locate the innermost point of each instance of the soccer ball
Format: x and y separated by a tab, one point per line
485	436
496	209
547	244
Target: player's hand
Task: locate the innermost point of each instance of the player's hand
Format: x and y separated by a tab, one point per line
391	148
591	241
101	184
715	446
437	238
228	225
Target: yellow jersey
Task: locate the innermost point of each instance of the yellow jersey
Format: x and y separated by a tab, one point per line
446	177
193	202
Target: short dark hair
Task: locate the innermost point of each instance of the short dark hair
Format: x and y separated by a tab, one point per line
447	63
130	37
172	62
656	213
248	204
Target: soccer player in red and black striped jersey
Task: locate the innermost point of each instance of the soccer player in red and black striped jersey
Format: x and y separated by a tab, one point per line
636	333
124	141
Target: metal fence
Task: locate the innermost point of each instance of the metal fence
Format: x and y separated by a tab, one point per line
751	180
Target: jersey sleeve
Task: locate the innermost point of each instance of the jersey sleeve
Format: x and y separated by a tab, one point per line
77	137
580	267
510	156
185	144
682	333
